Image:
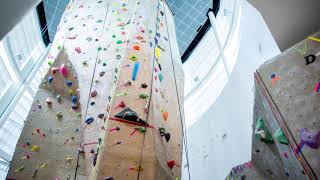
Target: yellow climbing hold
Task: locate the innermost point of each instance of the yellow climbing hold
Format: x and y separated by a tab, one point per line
43	165
157	52
314	39
35	148
19	169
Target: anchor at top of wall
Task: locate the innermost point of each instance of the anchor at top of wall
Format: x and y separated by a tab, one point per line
164	133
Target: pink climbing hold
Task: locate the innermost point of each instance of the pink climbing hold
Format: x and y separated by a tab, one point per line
93	93
120	105
64	70
77	49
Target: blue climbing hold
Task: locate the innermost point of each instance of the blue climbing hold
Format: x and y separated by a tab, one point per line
135	71
50	79
74	99
89	120
69	83
160	77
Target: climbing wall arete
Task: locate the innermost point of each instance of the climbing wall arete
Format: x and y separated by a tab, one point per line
110	106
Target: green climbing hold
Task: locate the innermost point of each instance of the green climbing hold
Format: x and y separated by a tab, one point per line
60	47
99	48
119	42
140	129
133	58
85	63
143	96
262	131
122	93
113	36
281	137
50	63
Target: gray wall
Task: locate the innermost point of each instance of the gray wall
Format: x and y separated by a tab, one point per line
289	21
11	12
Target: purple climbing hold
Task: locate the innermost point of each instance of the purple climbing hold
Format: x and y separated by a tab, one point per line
93	93
101	115
311	139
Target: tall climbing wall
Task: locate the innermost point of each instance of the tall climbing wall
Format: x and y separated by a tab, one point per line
286	126
110	106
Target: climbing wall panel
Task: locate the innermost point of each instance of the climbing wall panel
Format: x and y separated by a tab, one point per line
286	144
129	78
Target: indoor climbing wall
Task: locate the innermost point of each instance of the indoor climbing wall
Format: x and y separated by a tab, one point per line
286	127
110	106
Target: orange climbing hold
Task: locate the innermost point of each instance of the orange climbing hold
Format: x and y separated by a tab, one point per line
136	168
137	48
165	115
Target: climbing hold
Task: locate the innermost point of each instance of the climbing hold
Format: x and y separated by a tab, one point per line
93	93
120	105
43	165
144	85
70	91
165	115
59	98
127	83
59	115
101	115
262	131
92	103
101	73
85	63
274	78
136	168
157	53
64	70
74	106
89	120
74	99
20	168
54	70
69	83
136	47
122	93
49	101
35	148
162	132
135	71
50	63
78	50
114	129
143	96
309	138
170	163
133	58
281	137
316	88
119	42
50	79
160	77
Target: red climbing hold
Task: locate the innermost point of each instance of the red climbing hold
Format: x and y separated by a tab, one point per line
93	93
170	163
120	105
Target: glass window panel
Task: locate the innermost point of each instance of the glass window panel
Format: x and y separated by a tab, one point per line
5	79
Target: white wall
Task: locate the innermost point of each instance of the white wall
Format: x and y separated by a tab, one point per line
210	155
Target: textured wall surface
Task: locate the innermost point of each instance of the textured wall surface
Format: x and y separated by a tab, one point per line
104	41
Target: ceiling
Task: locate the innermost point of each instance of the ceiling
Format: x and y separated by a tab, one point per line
289	21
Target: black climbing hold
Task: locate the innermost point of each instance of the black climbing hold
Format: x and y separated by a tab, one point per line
130	115
310	58
144	85
101	73
100	115
89	120
104	64
167	136
95	159
92	103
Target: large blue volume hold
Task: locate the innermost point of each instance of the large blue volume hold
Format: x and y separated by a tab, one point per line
135	71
